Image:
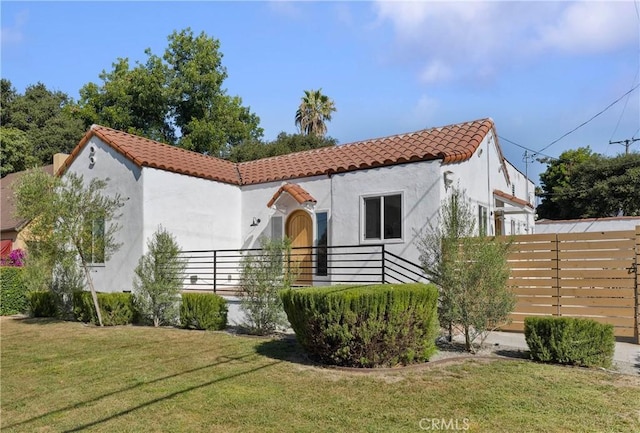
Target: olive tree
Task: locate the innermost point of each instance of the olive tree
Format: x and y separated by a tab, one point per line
471	271
72	224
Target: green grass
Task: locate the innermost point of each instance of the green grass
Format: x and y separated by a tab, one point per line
61	376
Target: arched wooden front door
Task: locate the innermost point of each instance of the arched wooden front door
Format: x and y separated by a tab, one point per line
299	229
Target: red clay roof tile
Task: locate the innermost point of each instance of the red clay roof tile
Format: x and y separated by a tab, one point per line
148	153
298	193
452	143
512	198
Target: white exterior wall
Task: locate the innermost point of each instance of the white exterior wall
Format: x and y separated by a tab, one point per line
419	184
256	197
125	179
201	214
588	225
483	173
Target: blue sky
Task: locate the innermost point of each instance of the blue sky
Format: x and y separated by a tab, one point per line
539	69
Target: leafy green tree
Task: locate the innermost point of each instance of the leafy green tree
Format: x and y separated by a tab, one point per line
16	153
8	94
177	98
471	272
47	119
71	223
283	144
582	184
158	279
314	112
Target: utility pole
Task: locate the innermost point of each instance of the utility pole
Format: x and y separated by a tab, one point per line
627	143
527	158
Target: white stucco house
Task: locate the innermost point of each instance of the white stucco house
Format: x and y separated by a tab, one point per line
378	191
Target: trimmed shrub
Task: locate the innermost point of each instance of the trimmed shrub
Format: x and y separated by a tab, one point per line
115	308
567	340
43	303
203	311
13	293
365	326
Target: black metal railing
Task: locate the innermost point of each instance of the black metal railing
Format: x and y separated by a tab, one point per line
221	270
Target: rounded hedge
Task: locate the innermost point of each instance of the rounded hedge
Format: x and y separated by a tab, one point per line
568	340
365	326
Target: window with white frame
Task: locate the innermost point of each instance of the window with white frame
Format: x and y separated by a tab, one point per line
482	220
276	228
382	217
94	236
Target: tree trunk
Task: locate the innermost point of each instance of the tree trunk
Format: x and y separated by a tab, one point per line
467	339
94	295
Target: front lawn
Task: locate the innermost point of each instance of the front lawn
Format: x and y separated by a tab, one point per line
62	376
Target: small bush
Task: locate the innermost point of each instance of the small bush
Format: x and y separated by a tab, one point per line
43	303
566	340
366	326
13	293
264	274
203	311
158	280
116	308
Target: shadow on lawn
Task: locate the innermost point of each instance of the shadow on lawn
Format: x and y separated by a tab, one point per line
222	360
35	320
284	348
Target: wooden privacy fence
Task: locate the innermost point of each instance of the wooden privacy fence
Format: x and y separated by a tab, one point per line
589	275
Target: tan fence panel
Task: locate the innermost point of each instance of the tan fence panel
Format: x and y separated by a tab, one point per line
590	275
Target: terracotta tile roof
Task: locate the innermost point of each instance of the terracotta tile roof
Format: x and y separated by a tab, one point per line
8	220
148	153
512	198
298	193
451	144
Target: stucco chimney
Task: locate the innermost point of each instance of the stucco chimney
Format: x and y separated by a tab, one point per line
58	161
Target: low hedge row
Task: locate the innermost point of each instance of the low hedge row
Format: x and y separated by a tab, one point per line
197	310
203	311
365	326
115	308
13	295
566	340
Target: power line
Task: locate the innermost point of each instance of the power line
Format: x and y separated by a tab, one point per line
593	117
533	152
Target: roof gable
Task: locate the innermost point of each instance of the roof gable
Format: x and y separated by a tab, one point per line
148	153
451	144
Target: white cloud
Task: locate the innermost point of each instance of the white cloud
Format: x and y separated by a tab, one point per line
435	71
588	27
14	34
425	108
449	40
286	8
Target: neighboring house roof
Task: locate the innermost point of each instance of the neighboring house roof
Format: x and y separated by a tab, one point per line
585	220
298	193
512	198
451	144
8	220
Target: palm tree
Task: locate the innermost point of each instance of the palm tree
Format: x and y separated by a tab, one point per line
314	111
